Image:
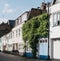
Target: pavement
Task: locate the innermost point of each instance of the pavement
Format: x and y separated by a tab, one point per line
9	57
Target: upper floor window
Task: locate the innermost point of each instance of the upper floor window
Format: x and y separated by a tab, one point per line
16	33
20	20
12	34
56	19
19	32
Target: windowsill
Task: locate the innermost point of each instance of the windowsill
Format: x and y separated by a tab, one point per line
55	25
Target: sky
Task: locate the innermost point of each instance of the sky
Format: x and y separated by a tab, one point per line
11	9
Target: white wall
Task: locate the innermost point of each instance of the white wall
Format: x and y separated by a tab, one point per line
54	30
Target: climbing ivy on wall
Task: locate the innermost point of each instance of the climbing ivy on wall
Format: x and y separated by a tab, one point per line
34	29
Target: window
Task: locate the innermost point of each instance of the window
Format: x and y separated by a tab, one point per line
20	20
10	35
43	41
19	32
13	34
16	32
56	19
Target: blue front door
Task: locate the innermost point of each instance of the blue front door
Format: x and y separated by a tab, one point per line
43	49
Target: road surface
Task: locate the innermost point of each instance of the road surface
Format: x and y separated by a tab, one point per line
9	57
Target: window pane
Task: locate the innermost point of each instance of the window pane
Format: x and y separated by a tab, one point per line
55	19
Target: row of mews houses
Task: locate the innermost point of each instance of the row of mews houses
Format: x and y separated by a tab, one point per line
13	40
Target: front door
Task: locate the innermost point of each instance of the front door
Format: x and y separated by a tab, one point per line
43	49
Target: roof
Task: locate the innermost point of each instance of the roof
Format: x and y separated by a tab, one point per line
22	14
2	24
34	12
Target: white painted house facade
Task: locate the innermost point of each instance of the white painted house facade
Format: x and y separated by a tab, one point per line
14	40
17	38
55	30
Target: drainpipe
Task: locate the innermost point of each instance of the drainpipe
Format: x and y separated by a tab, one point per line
48	4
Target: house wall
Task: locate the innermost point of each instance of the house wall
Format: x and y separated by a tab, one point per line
54	28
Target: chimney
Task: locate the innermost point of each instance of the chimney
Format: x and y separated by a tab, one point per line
43	6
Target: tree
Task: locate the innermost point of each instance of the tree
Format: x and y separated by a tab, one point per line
34	29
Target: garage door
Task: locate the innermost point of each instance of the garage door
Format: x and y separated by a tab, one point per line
56	49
